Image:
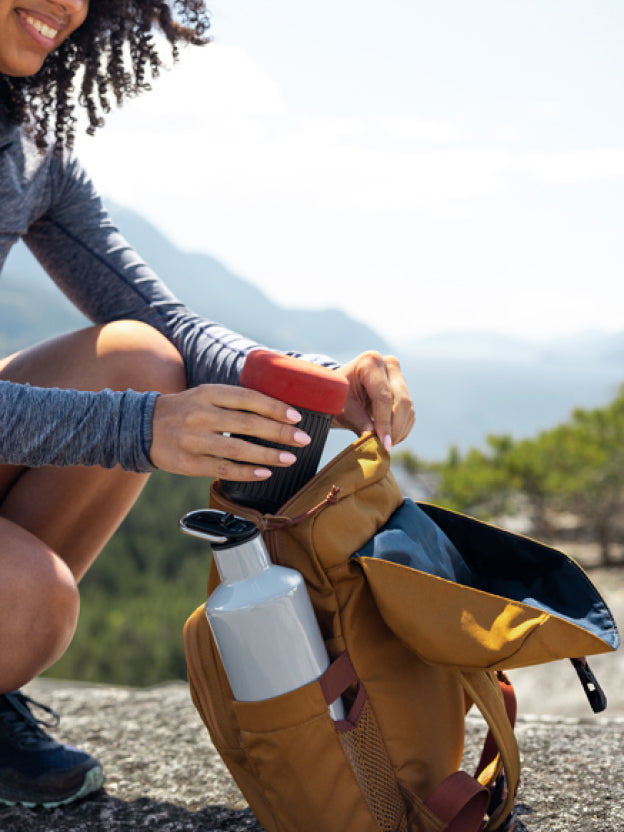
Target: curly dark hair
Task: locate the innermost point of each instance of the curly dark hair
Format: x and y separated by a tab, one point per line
119	54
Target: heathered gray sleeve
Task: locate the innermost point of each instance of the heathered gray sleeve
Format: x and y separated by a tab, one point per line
76	242
86	429
89	259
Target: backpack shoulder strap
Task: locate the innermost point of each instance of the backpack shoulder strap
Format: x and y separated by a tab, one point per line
484	691
490	752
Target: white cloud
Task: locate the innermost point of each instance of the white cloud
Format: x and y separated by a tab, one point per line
207	83
574	167
418	208
551	110
410	128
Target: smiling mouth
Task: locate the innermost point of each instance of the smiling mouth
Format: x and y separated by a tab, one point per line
46	31
43	28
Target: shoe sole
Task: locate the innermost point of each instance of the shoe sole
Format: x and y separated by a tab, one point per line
94	780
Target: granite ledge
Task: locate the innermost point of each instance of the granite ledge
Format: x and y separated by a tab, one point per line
164	774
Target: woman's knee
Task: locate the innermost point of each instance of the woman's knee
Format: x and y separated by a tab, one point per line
139	357
39	613
119	355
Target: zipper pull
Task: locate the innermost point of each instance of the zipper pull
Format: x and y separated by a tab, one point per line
278	521
595	694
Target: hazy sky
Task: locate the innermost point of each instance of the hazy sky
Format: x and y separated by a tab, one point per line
427	166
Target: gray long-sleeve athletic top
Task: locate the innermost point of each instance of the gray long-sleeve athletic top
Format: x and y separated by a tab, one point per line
51	204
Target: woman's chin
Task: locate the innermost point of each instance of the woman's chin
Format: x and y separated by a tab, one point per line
23	68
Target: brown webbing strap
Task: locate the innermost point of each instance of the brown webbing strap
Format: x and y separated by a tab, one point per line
490	749
460	802
337	678
334	682
486	695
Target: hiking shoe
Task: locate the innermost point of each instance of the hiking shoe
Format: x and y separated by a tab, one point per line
35	769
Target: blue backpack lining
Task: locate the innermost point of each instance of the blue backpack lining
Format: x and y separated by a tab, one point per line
473	554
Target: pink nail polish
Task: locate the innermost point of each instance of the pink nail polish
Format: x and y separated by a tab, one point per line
387	442
262	473
293	415
287	458
302	438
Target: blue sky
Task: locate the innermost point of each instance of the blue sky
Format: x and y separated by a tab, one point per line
428	167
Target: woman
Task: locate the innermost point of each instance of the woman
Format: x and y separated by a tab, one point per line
149	385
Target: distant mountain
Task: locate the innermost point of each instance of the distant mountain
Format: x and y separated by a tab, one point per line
465	385
587	346
214	291
31	309
459	401
202	282
473	346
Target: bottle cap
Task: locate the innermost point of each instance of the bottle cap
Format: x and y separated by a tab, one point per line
295	381
221	529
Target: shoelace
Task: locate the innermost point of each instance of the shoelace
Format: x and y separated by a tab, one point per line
25	726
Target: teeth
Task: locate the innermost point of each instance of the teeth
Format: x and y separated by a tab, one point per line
46	31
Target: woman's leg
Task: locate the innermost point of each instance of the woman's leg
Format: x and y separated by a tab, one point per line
39	606
55	521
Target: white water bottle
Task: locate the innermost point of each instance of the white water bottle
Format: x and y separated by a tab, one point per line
260	614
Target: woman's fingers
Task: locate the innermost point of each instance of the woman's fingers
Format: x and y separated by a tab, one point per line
201	432
403	415
378	398
198	432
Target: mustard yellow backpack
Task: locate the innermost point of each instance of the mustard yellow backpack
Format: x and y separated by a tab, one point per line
413	647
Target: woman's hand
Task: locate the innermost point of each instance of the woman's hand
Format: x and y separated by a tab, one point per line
378	398
191	433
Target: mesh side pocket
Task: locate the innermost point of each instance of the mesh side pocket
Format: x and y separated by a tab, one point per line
367	754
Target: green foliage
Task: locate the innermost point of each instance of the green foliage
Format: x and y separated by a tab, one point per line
410	463
137	596
474	483
576	467
591	482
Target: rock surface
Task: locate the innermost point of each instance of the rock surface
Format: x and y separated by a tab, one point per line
164	774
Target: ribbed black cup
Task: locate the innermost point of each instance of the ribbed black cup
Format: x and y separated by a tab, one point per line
268	495
297	383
